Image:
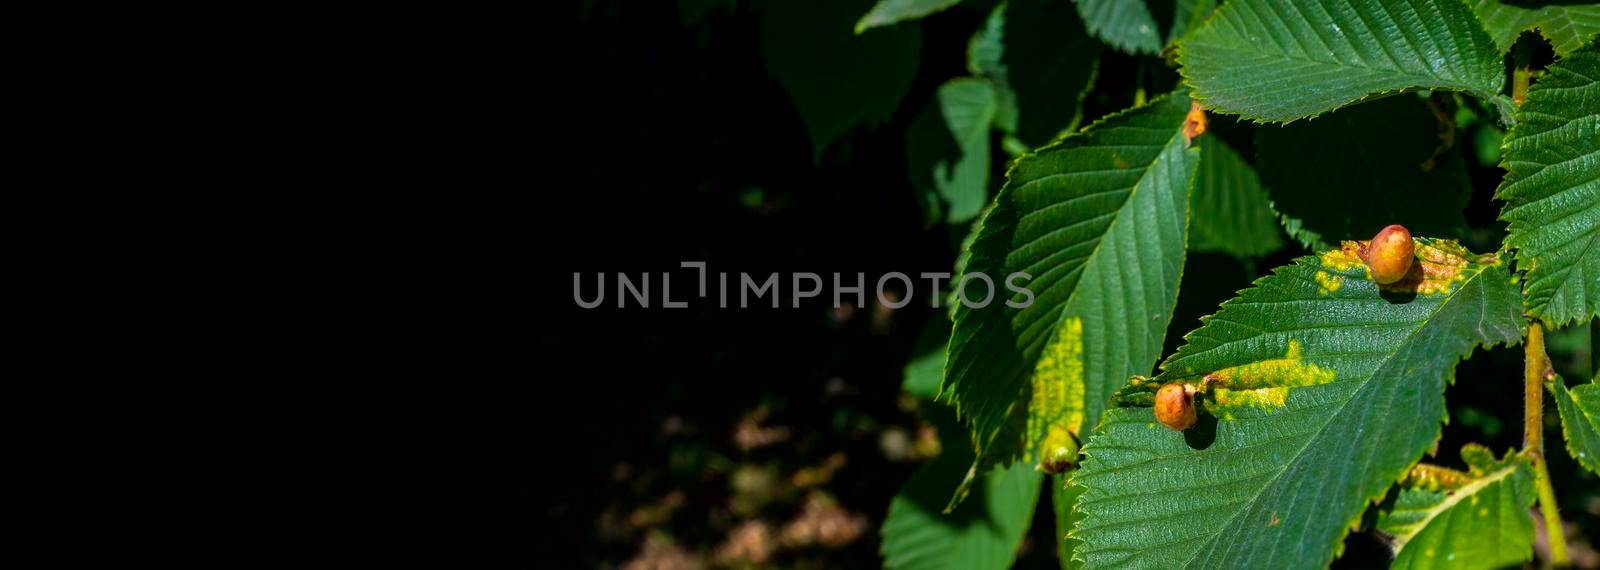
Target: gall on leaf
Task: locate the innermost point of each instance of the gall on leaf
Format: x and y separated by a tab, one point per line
1194	124
1174	406
1390	255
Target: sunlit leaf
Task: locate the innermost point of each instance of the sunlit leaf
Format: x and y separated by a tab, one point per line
1482	524
1580	420
1097	220
1337	389
1552	190
1280	60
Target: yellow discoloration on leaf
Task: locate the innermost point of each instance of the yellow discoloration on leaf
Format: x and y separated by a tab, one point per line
1117	161
1342	259
1328	284
1291	370
1435	478
1225	401
1056	409
1479	459
1439	268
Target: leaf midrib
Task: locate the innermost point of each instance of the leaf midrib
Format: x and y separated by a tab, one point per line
1209	542
1094	254
1452	499
1341	65
1055	325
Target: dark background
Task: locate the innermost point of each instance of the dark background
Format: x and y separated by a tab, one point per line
675	144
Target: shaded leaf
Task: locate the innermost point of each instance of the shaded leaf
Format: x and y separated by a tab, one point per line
922	373
1230	209
1566	26
947	149
1483	524
1552	190
1187	16
1280	60
837	79
1097	220
888	12
1353	172
1062	498
1043	63
1338	390
988	45
982	533
1580	420
1123	24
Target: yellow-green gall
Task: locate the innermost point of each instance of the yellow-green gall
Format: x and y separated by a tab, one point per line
1391	254
1175	406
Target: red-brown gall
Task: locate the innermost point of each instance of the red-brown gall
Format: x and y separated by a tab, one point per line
1175	406
1391	254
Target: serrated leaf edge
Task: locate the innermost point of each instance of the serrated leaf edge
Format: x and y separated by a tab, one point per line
958	317
1355	520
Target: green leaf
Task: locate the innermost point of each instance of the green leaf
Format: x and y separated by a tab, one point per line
1062	498
1339	389
1188	15
1358	169
1483	524
1280	60
922	373
1123	24
1566	26
947	149
1043	64
888	12
988	45
1552	190
1580	420
985	53
982	533
1097	220
1230	210
811	48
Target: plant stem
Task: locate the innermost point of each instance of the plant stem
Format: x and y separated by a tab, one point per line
1547	507
1533	390
1534	372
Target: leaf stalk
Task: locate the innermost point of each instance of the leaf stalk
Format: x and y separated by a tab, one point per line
1536	370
